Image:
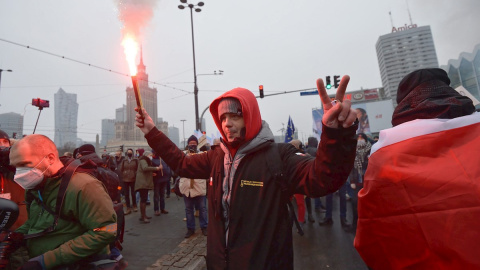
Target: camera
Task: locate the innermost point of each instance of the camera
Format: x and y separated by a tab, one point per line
4	153
40	103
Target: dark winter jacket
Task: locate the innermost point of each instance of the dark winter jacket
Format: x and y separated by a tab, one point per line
259	232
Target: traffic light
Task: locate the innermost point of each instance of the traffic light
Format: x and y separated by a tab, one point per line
336	81
121	148
260	88
328	84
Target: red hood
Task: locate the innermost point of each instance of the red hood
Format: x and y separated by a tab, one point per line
250	111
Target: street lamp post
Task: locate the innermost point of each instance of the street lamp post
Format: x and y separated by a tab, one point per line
1	70
183	120
195	87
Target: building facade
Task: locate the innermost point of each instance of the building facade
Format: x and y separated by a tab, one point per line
174	135
66	115
108	131
149	99
12	124
465	71
404	50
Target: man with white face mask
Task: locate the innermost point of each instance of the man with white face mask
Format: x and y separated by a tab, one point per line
87	222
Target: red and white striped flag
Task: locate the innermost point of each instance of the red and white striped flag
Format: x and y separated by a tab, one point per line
420	205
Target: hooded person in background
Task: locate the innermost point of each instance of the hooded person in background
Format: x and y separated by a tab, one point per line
424	173
249	225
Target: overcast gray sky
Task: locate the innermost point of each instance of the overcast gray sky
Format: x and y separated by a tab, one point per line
284	45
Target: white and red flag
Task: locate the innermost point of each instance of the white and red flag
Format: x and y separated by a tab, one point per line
420	205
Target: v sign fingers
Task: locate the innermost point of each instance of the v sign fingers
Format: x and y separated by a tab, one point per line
342	88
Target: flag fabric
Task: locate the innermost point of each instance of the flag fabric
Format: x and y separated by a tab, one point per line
290	130
317	115
420	205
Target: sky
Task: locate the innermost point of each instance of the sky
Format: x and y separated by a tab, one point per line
283	45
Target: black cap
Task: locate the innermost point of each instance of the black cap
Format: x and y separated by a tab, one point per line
192	138
86	149
4	135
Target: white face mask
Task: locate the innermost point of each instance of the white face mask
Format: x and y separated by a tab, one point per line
29	178
361	142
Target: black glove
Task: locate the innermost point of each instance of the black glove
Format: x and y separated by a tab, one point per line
31	265
15	238
9	244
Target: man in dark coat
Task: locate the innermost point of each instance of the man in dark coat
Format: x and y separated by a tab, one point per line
249	225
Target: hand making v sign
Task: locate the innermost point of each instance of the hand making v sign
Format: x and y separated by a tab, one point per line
337	112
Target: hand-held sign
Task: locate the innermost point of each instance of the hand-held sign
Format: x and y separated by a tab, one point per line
339	112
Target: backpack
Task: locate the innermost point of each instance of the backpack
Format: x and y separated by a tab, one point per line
110	180
176	187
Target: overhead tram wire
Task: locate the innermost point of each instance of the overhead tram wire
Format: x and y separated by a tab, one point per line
87	64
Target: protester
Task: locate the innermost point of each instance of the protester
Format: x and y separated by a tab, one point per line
160	180
194	191
300	198
87	223
249	226
356	176
128	169
10	189
144	182
311	149
419	207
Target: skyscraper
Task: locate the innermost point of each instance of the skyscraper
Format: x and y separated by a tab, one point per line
149	98
66	115
12	123
108	131
404	50
174	135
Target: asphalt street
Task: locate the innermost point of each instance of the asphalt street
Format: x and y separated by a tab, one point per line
321	247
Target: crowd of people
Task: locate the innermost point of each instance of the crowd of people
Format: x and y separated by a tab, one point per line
413	190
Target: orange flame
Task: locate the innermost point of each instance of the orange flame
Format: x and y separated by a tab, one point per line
130	47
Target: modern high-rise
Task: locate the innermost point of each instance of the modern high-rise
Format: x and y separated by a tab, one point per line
12	124
108	131
149	100
404	50
174	135
121	114
66	115
465	71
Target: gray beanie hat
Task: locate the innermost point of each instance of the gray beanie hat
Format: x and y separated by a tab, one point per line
229	105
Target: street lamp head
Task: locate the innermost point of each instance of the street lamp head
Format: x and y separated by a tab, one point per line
181	6
183	1
198	10
200	4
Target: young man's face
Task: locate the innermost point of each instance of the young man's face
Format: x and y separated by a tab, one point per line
232	125
4	143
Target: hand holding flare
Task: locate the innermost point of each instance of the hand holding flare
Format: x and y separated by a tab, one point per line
138	97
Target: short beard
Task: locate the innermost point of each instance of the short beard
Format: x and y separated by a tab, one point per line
238	140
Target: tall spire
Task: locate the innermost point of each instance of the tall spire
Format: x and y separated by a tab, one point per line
141	67
141	55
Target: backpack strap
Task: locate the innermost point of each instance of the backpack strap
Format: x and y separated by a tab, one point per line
67	175
275	164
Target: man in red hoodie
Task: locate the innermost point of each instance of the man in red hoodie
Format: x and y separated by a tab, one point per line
249	225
